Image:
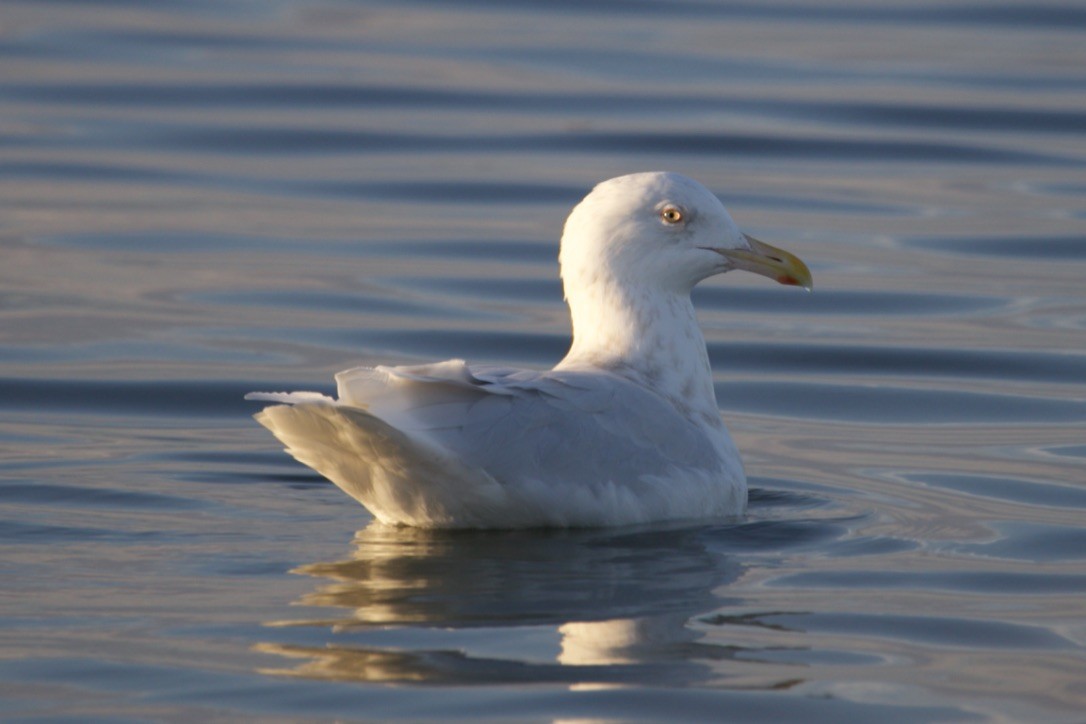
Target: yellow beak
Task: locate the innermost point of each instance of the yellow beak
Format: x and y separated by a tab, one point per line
769	261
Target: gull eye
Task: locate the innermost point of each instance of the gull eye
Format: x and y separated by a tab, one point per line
671	215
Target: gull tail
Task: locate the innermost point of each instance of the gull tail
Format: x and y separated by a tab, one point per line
401	479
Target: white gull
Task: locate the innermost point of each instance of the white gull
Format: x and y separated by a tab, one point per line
624	430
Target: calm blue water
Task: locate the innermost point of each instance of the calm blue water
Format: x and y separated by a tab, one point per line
198	199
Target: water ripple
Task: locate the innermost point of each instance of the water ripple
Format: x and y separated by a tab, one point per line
973	583
903	362
165	398
1029	492
265	141
1022	247
895	405
331	96
70	495
948	631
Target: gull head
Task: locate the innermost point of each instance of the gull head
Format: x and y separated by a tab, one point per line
662	232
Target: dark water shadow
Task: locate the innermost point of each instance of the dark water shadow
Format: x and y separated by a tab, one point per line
619	600
578	607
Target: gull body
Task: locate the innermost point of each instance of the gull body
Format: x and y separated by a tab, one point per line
624	430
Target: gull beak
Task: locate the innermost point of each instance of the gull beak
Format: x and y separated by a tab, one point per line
769	261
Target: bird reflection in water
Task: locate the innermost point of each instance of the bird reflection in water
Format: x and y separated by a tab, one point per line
624	606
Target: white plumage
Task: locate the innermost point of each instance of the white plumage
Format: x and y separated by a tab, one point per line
624	430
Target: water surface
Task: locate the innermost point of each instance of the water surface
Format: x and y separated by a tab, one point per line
203	199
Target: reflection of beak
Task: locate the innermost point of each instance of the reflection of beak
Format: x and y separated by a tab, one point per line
769	261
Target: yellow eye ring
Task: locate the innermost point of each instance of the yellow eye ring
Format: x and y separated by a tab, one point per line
671	215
